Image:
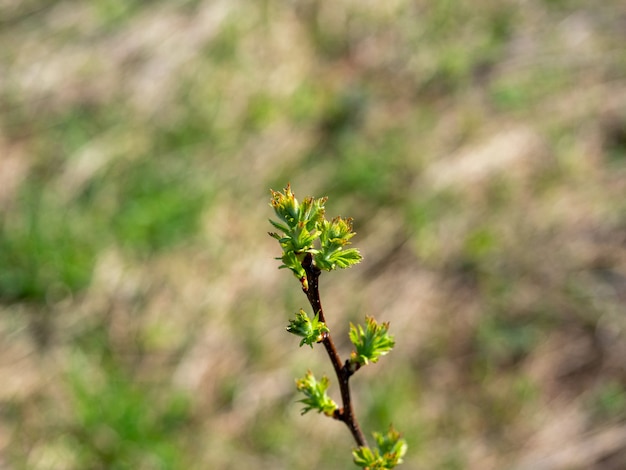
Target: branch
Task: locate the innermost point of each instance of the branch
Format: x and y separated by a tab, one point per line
343	372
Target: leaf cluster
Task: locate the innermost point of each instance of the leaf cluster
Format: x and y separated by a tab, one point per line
305	230
371	343
389	451
311	330
315	393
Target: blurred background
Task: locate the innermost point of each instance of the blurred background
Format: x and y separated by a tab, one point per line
479	146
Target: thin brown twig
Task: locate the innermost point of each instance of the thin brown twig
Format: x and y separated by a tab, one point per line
343	372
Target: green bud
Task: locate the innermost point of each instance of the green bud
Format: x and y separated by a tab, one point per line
311	331
299	221
285	205
302	225
334	236
390	449
315	392
364	457
294	263
371	343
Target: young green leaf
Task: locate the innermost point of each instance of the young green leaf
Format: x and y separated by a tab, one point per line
315	392
299	221
311	331
365	457
390	450
294	263
299	226
371	343
334	236
338	258
285	205
391	446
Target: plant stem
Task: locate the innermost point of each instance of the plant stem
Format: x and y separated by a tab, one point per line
343	372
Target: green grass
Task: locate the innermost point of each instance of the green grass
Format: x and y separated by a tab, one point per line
44	247
122	424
